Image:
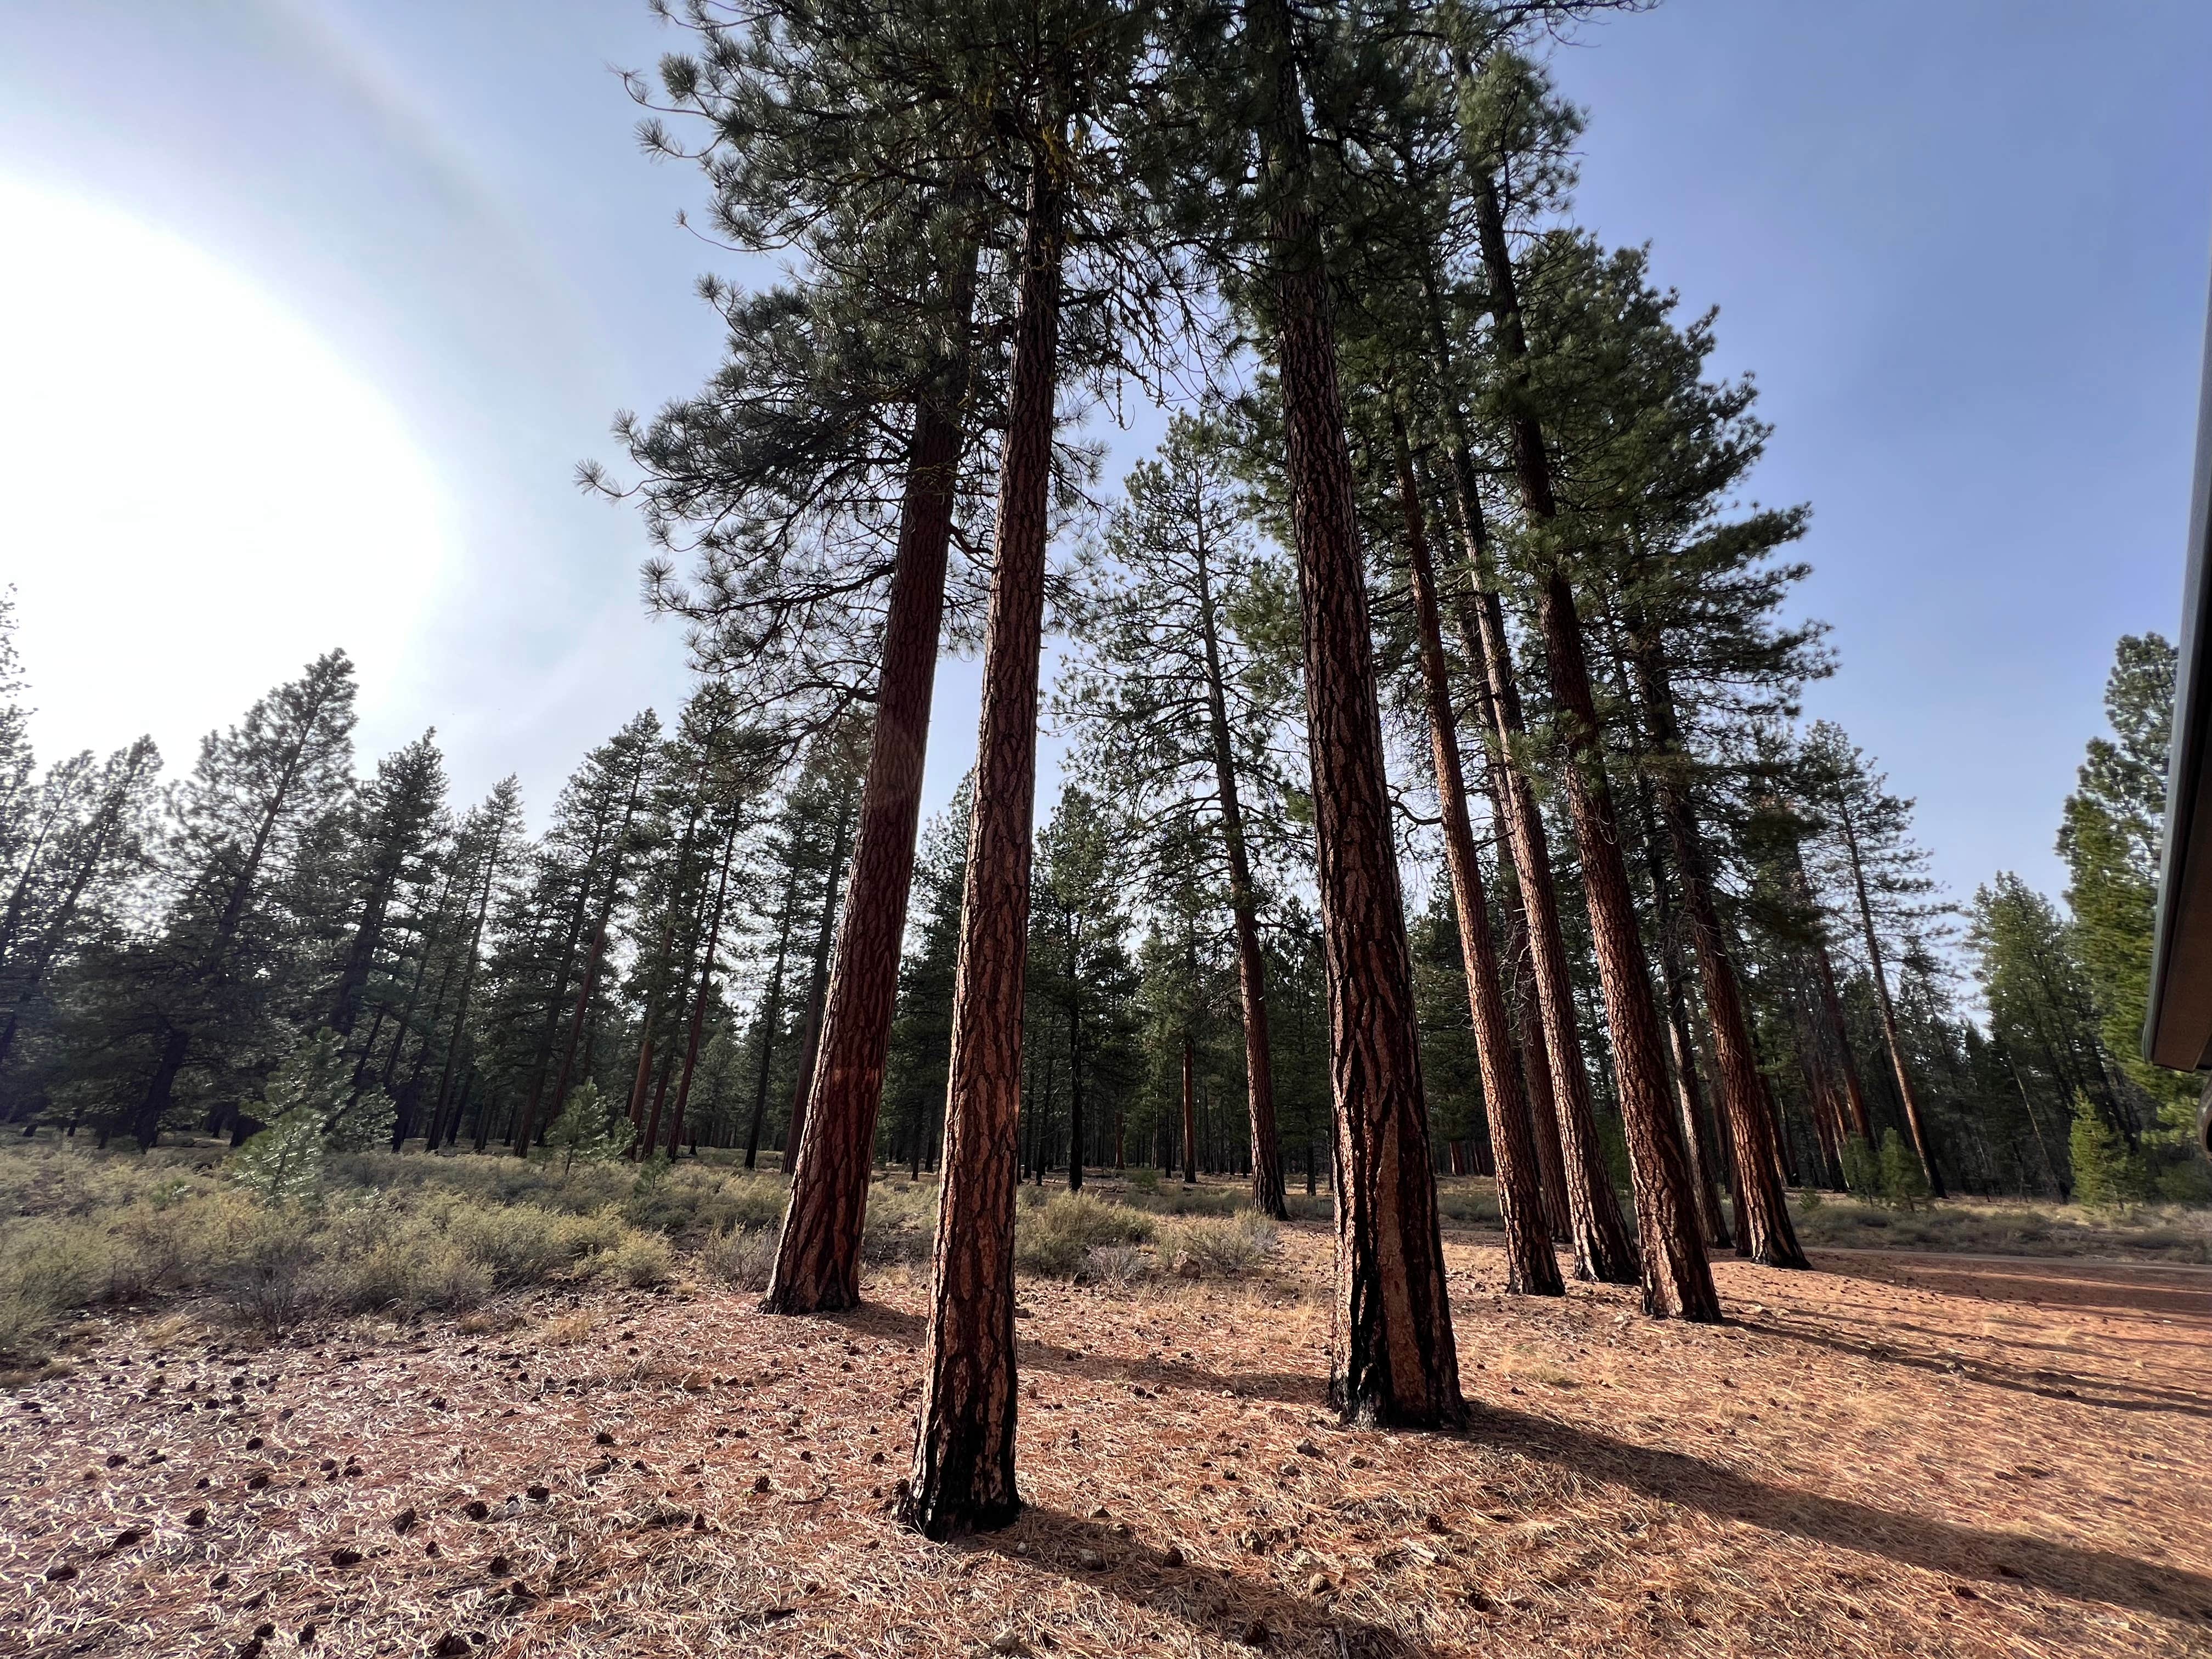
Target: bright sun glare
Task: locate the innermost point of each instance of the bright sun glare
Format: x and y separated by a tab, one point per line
201	496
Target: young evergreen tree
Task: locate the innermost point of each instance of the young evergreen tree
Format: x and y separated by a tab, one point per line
2111	836
1393	1359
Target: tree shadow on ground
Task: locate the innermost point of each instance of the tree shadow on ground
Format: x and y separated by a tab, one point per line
1962	1551
1913	1540
2082	1390
1233	1607
2055	1284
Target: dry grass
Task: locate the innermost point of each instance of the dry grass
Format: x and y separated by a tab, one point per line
1902	1454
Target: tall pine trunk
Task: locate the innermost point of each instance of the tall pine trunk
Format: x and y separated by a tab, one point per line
817	990
1530	1266
818	1253
1678	1280
1909	1096
963	1476
1762	1207
1564	1119
1243	904
1394	1358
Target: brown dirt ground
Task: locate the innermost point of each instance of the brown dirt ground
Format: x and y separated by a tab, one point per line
1922	1454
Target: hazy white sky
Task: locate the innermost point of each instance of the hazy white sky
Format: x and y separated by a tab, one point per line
308	308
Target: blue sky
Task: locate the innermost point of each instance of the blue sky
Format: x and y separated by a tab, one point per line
1963	246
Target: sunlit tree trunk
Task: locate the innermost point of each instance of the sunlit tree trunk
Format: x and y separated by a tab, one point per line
1677	1278
818	1256
1531	1268
963	1475
1393	1358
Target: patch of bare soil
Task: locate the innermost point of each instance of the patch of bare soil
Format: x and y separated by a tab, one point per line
1895	1454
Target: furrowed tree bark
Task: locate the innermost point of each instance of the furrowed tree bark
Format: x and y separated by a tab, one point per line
963	1475
1906	1092
1531	1269
1243	904
818	1253
1393	1358
1678	1280
1559	1090
1762	1206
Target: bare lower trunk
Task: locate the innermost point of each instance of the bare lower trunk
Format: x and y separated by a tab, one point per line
1530	1266
817	990
1251	964
1689	1093
1762	1207
818	1254
1677	1278
963	1475
1394	1358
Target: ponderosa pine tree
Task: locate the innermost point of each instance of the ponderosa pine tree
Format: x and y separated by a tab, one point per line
889	213
1882	876
1418	318
1655	453
1393	1359
1169	715
1677	1278
1069	106
258	793
1531	1268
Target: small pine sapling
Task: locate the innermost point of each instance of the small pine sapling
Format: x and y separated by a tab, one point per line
1861	1168
586	1129
1904	1182
2107	1176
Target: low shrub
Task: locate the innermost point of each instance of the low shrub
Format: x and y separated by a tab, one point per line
1117	1266
741	1257
416	1269
1210	1247
901	1224
1055	1239
641	1262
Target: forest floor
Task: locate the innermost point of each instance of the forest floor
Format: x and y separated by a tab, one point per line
1894	1454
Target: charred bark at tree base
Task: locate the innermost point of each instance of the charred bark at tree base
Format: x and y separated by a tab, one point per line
962	1474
